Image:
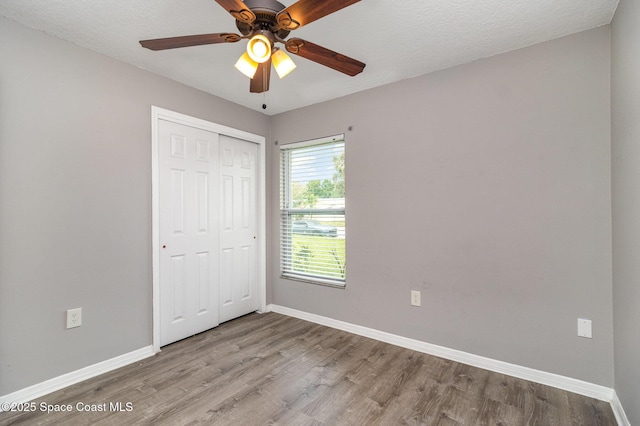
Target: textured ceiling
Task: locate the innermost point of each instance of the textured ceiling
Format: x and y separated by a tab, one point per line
397	40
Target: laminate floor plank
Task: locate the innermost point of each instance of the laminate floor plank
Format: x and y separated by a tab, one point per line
271	369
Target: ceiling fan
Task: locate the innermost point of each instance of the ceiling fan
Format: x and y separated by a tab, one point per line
265	23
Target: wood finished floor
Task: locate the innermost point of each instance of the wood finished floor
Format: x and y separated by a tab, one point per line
275	370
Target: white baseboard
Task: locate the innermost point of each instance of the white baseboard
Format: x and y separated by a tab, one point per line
618	411
60	382
550	379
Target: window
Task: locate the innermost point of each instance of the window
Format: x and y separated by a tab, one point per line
312	209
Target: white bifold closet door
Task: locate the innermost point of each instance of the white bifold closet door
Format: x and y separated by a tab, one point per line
238	228
208	263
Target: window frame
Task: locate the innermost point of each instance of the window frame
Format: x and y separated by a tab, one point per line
288	213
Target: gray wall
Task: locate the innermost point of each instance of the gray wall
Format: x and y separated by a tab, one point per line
625	95
75	201
487	187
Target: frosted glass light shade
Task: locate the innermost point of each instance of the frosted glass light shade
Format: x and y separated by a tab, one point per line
259	48
282	63
246	65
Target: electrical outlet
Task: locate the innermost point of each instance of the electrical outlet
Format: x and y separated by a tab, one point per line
415	298
584	328
74	318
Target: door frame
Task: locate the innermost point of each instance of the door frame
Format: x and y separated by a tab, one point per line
158	114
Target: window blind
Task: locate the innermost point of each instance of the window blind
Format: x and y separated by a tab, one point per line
312	211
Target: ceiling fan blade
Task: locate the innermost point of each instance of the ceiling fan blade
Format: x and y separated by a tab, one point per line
324	56
304	12
191	40
238	10
260	81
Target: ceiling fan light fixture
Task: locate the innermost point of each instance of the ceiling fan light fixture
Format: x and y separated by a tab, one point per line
282	63
246	65
266	23
259	48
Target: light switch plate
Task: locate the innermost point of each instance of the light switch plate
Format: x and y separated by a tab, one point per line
415	298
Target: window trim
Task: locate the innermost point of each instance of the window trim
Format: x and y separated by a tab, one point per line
309	142
285	194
